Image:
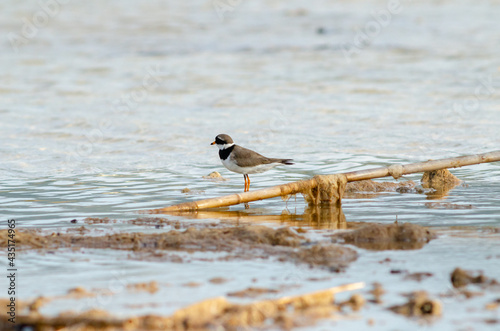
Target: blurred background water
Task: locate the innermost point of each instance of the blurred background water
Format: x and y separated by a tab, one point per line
108	108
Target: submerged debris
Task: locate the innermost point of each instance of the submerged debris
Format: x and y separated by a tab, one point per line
418	305
461	278
387	236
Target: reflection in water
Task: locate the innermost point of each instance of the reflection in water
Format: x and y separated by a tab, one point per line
325	217
317	217
440	193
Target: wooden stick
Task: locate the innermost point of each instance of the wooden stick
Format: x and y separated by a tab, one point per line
297	187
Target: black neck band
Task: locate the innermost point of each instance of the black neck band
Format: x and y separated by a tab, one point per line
224	153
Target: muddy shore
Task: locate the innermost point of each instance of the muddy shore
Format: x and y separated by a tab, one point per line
242	242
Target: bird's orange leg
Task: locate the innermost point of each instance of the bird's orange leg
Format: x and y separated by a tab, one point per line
247	188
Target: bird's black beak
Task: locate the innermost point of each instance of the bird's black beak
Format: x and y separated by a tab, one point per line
213	143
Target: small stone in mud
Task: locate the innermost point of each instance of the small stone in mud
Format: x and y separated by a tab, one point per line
73	220
461	278
185	190
418	305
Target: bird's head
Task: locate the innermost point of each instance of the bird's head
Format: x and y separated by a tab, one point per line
223	141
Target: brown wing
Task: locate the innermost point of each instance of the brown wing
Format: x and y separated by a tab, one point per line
248	158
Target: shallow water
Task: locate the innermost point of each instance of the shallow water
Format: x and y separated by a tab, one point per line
86	132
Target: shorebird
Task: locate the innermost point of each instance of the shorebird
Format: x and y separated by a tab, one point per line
244	161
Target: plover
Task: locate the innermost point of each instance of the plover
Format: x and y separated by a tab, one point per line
244	161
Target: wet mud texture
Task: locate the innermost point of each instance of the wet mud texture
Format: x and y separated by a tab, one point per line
387	236
211	314
243	242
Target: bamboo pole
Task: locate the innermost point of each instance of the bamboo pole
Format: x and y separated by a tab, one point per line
297	187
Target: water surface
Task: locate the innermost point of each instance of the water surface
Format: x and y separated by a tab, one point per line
111	107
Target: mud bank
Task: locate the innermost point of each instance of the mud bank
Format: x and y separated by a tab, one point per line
240	242
282	313
387	236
